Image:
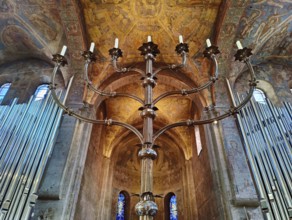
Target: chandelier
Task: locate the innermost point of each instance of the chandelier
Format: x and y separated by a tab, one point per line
146	208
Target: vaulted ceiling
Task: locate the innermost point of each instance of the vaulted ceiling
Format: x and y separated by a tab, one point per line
36	29
132	21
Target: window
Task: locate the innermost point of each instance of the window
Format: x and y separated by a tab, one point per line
41	92
173	208
198	139
121	207
290	85
267	131
3	90
170	207
259	96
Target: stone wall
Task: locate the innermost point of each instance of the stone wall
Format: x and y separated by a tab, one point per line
25	76
203	180
273	80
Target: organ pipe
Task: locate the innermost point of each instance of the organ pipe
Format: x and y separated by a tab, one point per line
266	132
27	136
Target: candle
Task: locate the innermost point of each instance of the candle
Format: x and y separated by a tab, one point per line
63	50
238	44
91	47
149	39
180	39
117	43
208	43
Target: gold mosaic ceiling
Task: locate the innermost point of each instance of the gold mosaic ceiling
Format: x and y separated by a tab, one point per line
132	21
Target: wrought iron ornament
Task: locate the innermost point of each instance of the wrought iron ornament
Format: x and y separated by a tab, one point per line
147	207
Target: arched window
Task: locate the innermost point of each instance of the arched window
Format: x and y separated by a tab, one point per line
290	85
173	208
41	92
170	206
123	206
3	90
259	96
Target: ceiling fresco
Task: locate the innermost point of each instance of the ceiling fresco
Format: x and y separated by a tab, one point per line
29	29
126	110
36	29
133	21
267	28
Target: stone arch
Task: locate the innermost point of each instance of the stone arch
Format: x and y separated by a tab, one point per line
113	151
127	204
26	75
167	205
290	85
272	79
168	171
269	91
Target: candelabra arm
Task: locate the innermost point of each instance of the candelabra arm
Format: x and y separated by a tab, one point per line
253	83
118	69
164	129
173	66
85	119
232	110
104	93
212	80
184	59
124	69
216	72
190	122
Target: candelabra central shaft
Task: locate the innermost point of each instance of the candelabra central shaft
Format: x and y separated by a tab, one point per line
148	115
146	208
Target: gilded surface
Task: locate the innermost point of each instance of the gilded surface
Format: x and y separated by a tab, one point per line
36	29
132	21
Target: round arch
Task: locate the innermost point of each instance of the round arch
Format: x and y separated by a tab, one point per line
123	206
170	207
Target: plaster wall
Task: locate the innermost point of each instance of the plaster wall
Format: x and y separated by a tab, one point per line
104	178
273	80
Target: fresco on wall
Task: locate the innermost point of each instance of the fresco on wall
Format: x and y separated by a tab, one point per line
35	30
132	21
277	76
266	27
5	6
15	36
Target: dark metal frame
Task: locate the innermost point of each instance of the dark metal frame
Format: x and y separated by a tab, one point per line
147	207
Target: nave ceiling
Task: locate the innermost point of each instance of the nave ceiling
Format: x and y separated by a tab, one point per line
36	29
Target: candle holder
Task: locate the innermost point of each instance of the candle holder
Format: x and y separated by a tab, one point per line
147	207
243	54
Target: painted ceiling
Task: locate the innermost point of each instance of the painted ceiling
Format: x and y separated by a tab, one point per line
36	29
133	21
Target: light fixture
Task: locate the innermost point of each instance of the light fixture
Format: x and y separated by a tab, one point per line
146	208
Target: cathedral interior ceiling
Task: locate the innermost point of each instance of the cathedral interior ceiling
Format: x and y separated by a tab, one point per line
267	28
132	22
35	29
